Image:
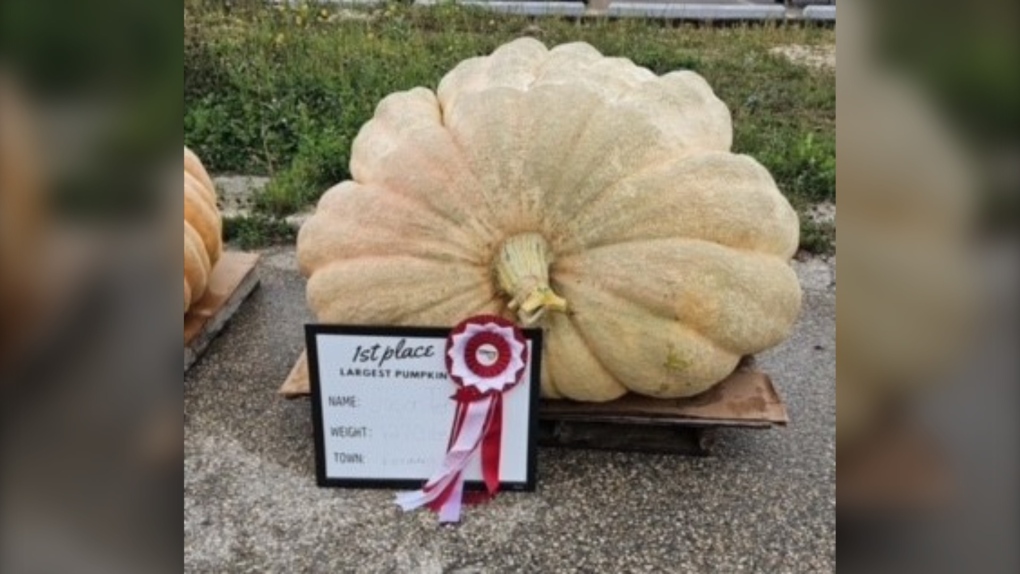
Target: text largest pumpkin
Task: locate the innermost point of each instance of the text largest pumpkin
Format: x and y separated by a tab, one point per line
563	189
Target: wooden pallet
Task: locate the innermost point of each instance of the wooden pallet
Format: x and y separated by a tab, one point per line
233	279
747	398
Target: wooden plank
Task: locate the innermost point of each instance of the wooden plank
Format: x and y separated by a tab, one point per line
297	384
747	398
233	279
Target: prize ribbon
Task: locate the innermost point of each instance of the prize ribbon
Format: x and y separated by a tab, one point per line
485	357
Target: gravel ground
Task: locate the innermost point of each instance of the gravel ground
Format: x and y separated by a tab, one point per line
764	502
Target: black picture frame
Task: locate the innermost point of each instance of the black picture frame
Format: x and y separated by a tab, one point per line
312	332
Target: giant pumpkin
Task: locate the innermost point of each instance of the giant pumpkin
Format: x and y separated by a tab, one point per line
203	228
569	191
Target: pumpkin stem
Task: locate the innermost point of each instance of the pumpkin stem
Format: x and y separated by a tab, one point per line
522	270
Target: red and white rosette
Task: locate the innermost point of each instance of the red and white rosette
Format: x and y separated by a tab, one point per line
486	356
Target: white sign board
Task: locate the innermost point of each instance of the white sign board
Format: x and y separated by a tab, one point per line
383	411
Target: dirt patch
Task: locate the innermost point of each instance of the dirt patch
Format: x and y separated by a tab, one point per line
823	213
819	57
237	193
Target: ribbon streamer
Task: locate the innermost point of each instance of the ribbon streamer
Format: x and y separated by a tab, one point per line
439	489
478	420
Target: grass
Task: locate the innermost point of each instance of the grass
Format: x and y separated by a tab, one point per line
257	230
282	91
817	238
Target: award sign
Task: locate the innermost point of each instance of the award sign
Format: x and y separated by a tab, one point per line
433	409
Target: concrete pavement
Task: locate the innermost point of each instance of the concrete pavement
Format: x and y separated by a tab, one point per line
764	502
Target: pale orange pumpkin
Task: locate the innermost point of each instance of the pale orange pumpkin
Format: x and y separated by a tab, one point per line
203	228
570	191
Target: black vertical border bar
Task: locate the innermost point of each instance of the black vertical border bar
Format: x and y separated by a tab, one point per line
312	349
535	336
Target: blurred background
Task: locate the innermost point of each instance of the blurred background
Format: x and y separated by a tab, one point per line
927	382
90	139
928	170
